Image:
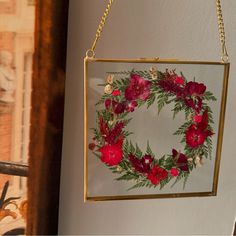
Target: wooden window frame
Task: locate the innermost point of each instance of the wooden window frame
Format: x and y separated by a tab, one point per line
48	86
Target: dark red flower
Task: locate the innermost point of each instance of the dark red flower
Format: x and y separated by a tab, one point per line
157	174
139	88
172	83
118	107
170	86
194	103
103	127
194	89
197	134
142	165
193	92
113	134
205	120
107	103
92	146
180	160
112	155
130	106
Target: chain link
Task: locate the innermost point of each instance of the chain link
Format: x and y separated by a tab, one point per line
220	21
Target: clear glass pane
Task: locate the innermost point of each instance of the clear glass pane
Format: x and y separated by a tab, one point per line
148	126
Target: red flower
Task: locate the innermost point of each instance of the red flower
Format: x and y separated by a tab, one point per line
112	155
157	174
139	88
181	160
174	172
197	134
194	89
116	93
141	165
197	118
131	106
179	80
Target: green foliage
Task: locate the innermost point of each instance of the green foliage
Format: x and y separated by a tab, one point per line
162	99
151	100
149	150
182	129
209	96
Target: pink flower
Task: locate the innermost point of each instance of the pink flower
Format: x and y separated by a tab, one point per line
112	155
157	174
174	172
139	88
116	93
179	80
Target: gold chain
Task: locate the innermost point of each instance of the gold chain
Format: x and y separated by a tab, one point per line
224	56
91	52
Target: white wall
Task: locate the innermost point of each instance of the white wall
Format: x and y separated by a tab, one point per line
185	29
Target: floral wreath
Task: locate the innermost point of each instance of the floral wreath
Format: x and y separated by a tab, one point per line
137	88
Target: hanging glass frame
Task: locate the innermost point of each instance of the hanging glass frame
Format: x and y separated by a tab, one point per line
152	128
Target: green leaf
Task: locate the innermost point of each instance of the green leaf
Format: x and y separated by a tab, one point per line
209	96
138	152
138	185
149	150
161	101
177	108
127	177
182	129
185	180
151	100
132	148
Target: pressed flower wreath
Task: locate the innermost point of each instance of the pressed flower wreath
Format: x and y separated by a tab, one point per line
138	88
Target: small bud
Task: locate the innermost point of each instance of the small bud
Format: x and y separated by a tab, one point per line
108	89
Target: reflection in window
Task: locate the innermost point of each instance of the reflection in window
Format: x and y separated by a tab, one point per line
16	54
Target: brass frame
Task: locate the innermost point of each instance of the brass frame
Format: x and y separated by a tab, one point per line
219	138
